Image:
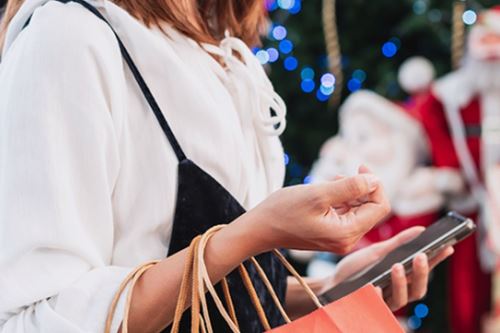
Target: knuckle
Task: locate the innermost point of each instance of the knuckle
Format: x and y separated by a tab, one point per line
355	187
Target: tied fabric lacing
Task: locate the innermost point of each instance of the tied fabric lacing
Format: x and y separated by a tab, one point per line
247	69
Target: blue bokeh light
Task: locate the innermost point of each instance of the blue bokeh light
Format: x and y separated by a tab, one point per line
419	7
326	90
389	49
358	74
296	8
286	4
469	17
279	32
307	73
286	158
285	46
421	310
262	56
414	322
290	63
320	96
307	85
353	85
327	80
271	5
273	54
308	180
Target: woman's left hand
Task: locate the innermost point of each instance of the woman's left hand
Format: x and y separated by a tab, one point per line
405	289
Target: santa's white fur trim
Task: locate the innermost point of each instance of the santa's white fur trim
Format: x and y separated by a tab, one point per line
416	75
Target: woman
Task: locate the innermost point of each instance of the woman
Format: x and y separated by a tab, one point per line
92	183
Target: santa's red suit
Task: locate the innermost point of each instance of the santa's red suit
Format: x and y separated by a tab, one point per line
469	286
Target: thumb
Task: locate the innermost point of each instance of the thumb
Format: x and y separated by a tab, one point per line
347	189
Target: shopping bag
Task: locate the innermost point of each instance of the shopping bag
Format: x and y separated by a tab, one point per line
361	311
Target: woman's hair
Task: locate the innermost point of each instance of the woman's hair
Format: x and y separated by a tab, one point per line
208	19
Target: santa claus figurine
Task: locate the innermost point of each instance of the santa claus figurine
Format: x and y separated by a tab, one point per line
461	117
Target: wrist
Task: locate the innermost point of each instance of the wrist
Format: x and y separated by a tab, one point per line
236	242
251	235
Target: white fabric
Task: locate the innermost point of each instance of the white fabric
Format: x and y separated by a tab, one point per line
87	178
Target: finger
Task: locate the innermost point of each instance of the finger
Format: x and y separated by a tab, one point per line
379	292
378	195
419	277
347	189
399	296
364	169
445	253
403	237
337	177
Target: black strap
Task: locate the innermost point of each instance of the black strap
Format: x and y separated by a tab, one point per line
139	79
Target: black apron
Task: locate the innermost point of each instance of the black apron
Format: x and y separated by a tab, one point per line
202	202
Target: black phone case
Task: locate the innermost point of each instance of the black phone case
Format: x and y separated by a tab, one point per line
447	231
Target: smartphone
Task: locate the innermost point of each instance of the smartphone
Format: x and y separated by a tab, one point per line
448	231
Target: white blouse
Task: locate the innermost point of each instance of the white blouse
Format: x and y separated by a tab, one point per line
87	178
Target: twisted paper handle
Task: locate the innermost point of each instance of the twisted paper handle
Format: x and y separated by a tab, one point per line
196	281
204	284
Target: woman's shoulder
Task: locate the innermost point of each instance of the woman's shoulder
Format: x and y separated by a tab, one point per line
58	30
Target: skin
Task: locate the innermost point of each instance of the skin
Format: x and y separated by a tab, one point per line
331	216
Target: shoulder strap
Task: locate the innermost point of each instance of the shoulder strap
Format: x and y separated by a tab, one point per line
139	79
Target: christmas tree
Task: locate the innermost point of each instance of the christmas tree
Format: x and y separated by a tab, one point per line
375	38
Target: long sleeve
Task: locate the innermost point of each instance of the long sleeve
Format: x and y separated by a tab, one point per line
60	116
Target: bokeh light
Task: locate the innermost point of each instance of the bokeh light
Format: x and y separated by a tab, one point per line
353	85
389	49
286	4
421	310
262	56
414	322
285	46
307	73
328	80
307	85
279	32
320	96
469	17
273	54
326	90
358	74
290	63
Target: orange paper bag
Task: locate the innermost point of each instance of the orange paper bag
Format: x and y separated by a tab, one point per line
360	311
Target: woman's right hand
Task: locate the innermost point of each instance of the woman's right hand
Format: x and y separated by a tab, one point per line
330	216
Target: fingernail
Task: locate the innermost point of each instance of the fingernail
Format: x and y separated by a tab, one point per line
399	269
421	258
372	181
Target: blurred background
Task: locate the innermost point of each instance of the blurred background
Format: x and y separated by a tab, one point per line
322	56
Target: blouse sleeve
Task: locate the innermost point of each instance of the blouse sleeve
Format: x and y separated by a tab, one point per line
60	111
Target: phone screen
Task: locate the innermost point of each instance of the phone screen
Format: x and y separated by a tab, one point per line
447	231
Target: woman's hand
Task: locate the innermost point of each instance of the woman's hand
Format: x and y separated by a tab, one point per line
404	289
330	216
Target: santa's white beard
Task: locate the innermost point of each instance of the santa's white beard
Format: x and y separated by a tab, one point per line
483	76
